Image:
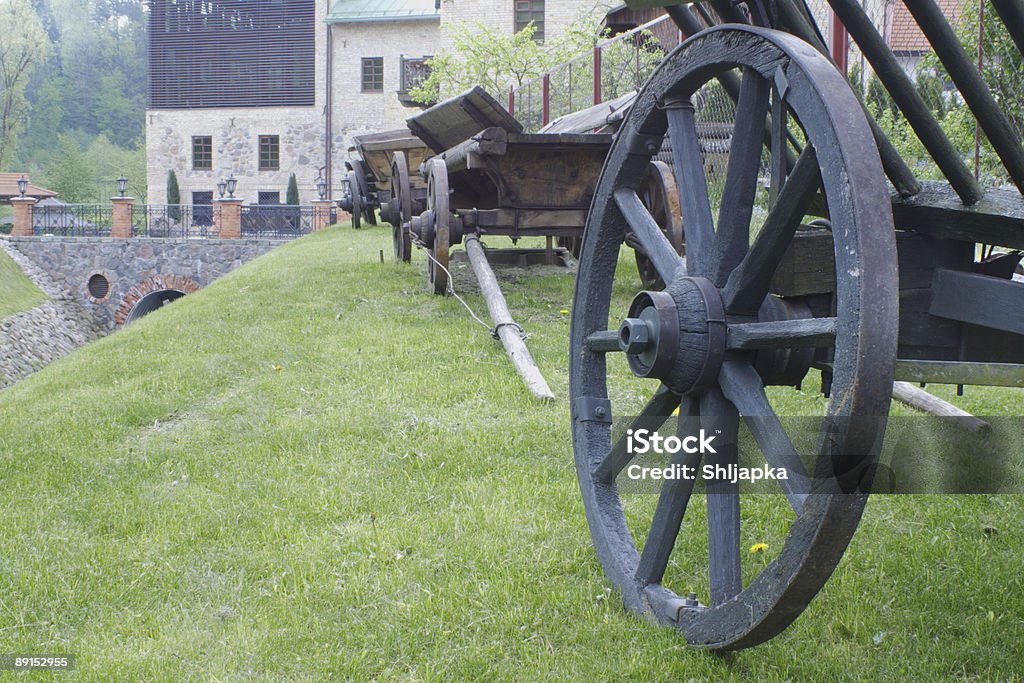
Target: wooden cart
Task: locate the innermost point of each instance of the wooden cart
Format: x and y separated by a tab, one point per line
887	284
379	179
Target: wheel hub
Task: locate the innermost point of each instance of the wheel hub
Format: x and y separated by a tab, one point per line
677	335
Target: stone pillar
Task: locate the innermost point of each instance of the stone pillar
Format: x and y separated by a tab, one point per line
22	216
121	223
322	214
227	216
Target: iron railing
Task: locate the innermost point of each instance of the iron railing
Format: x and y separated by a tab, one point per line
73	220
173	220
278	221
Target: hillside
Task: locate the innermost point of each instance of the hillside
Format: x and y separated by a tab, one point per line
17	292
313	469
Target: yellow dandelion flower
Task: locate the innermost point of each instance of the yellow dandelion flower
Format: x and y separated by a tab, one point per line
564	311
759	547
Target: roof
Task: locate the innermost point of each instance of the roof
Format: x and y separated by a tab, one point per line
9	188
905	36
355	11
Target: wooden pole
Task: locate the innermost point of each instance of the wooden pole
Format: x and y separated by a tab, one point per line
507	329
905	392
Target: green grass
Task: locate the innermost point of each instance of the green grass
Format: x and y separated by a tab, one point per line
17	292
315	470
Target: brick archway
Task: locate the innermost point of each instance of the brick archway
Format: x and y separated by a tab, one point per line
154	284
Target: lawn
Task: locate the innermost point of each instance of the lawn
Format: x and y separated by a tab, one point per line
17	292
315	470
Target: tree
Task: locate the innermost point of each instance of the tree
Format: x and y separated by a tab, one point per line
23	43
72	173
173	195
292	194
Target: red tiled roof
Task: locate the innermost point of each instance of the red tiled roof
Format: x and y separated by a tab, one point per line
904	34
9	188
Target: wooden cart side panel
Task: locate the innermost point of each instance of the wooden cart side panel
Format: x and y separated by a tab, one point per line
448	123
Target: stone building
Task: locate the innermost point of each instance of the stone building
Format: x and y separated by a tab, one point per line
262	89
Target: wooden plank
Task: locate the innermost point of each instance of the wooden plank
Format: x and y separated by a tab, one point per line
978	299
507	329
998	218
492	221
808	266
954	372
601	118
448	123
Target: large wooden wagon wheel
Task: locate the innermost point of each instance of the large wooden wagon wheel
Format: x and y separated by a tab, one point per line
660	197
401	208
357	200
700	338
437	224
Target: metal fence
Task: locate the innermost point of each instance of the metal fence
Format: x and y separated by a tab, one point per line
73	220
614	67
278	221
173	220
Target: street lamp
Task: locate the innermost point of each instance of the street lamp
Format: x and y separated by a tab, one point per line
321	187
222	187
232	183
22	184
122	184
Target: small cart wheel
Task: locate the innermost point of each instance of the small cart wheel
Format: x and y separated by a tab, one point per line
706	337
357	200
437	210
362	181
660	196
401	192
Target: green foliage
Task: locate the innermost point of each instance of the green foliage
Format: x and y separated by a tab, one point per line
173	193
878	99
23	44
72	172
292	193
932	90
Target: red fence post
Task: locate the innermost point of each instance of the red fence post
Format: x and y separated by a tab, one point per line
839	43
511	100
547	99
597	75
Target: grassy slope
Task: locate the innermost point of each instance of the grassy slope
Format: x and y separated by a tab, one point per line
17	292
313	469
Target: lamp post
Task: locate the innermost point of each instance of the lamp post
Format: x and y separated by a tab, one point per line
22	185
122	185
222	187
232	183
321	187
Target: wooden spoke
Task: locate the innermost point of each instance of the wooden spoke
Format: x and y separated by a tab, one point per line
698	226
652	416
672	502
779	167
645	229
808	332
743	388
739	193
748	284
719	417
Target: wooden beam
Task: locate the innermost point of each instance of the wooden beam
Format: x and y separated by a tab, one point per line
978	299
919	399
506	328
997	218
956	372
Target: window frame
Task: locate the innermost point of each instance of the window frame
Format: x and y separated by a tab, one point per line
199	141
531	8
267	145
375	73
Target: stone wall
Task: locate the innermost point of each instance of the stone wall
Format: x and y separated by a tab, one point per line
31	339
131	267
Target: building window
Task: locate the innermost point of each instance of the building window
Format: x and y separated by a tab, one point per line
270	152
528	11
202	153
373	74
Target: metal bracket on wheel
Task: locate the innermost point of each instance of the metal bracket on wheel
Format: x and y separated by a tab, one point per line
592	409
